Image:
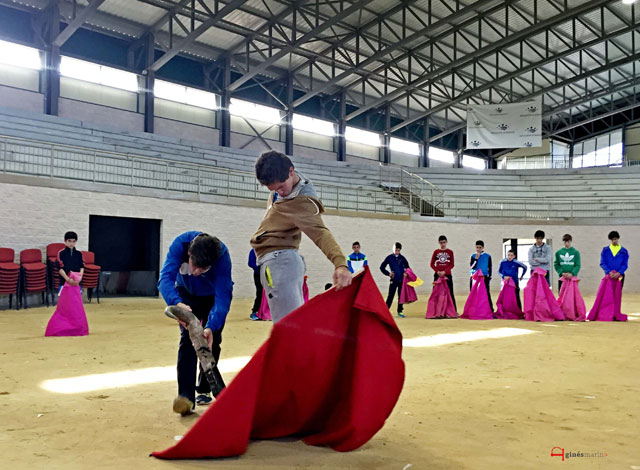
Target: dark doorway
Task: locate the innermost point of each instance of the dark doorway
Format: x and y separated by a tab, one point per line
128	251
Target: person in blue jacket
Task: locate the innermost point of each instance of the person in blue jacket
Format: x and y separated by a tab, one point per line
481	260
509	268
397	265
614	259
356	260
196	275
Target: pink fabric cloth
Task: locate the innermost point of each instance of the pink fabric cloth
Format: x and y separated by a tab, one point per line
571	301
69	319
305	290
440	303
477	305
539	302
264	313
507	304
407	292
607	306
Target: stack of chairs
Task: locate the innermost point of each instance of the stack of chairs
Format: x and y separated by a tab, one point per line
9	276
91	276
53	268
33	275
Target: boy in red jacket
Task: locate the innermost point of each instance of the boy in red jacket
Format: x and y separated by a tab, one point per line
442	263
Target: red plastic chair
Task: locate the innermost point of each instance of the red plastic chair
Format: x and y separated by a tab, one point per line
33	275
53	268
9	276
91	276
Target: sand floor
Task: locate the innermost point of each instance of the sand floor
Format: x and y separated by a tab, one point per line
488	404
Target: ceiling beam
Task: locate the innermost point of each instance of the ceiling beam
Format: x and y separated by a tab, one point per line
184	42
77	22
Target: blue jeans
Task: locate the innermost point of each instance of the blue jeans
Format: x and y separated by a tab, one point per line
282	276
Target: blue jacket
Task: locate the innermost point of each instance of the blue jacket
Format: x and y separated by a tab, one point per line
356	261
618	263
253	264
397	264
483	263
511	268
217	281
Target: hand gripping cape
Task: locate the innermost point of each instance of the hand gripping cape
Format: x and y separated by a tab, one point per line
331	373
539	302
571	301
440	304
507	304
477	305
264	312
407	292
69	319
607	306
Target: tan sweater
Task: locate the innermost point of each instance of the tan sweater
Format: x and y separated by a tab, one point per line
283	223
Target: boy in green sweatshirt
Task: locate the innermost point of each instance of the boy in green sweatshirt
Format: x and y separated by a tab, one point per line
567	260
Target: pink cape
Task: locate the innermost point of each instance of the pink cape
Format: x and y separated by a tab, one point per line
330	373
440	304
407	292
607	306
539	302
477	305
507	304
264	313
69	318
570	300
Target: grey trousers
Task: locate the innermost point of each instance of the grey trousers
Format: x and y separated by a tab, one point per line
282	276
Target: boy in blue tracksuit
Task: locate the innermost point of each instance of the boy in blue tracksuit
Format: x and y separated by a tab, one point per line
356	260
397	265
482	261
614	259
509	268
196	275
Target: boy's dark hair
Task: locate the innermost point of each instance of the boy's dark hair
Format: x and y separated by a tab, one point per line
511	251
398	245
613	234
567	238
442	238
479	242
328	286
355	243
204	250
538	234
272	167
70	236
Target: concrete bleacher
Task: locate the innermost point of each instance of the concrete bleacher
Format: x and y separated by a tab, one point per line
327	174
587	183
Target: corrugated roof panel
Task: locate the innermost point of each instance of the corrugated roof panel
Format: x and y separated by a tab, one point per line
138	12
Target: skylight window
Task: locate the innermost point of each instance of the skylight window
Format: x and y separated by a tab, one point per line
183	94
258	112
441	155
473	162
96	73
404	146
362	137
316	126
19	56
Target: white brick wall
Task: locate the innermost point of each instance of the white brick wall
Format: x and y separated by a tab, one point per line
32	216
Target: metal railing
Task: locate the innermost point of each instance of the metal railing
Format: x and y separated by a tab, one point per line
403	192
419	194
42	159
542	208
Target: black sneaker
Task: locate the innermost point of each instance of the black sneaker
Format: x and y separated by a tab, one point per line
203	399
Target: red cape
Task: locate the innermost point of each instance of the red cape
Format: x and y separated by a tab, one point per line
539	302
331	373
507	304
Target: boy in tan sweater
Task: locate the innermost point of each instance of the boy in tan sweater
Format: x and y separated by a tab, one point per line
293	207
